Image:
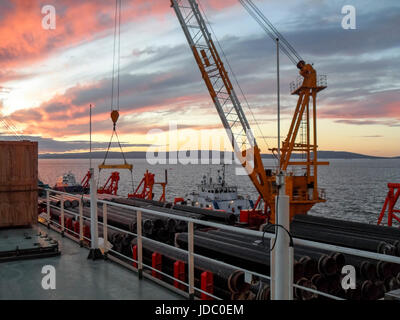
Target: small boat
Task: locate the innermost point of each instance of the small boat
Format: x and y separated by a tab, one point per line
41	186
218	195
67	183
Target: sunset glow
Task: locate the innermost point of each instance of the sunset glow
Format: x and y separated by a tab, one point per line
54	75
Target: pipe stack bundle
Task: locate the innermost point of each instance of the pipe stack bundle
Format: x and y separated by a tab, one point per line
347	234
254	254
313	268
226	280
374	277
198	213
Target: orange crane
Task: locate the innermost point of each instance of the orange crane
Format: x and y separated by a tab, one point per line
301	188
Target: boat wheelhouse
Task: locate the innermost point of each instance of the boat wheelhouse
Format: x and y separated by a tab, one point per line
218	195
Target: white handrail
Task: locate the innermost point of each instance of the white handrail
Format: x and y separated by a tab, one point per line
190	251
298	241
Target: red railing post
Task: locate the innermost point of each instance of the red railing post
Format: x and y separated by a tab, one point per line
207	285
179	273
135	255
156	263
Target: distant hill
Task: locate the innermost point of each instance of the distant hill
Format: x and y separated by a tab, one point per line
346	155
95	155
142	155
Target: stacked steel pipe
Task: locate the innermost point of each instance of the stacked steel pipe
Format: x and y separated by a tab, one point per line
348	234
313	268
197	213
253	254
224	277
374	278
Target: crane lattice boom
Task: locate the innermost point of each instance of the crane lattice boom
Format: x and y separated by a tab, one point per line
222	92
301	188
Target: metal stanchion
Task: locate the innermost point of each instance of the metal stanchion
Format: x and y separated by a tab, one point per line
282	252
191	259
48	216
105	230
62	215
291	272
95	252
272	269
139	244
81	223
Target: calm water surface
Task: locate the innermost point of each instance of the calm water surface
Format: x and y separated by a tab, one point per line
355	189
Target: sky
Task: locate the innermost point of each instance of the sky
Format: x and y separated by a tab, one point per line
48	78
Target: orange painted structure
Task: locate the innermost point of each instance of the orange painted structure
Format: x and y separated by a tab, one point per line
301	187
146	185
111	185
85	183
390	203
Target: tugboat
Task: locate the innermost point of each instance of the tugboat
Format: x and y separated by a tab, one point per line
218	195
67	183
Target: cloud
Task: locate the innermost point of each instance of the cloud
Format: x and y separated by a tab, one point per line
52	145
389	123
376	31
76	22
384	104
162	81
175	86
375	136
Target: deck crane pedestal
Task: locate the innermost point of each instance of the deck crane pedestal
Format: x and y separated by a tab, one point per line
302	188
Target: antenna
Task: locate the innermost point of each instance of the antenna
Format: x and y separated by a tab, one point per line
278	86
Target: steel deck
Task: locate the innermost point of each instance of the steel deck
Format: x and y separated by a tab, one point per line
76	276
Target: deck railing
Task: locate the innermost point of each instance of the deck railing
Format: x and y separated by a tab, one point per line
322	82
191	255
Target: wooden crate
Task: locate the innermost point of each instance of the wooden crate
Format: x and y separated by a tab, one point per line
18	183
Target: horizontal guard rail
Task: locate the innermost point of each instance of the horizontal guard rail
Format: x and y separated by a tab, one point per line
261	235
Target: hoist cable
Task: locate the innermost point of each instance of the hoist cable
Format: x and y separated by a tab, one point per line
276	32
116	55
270	29
13	127
119	51
279	35
234	76
115	88
272	36
10	128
